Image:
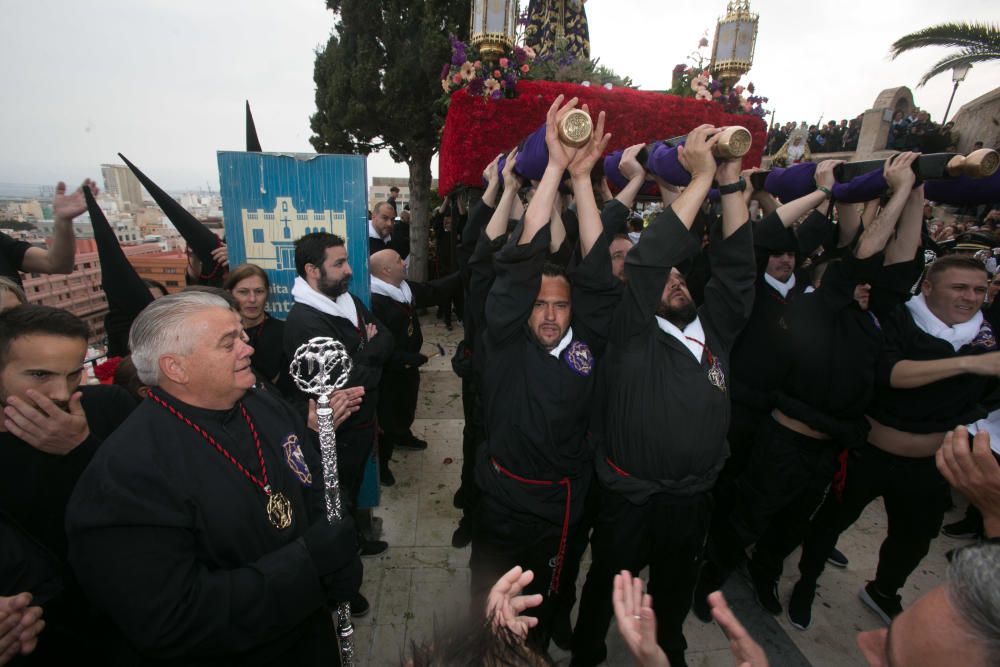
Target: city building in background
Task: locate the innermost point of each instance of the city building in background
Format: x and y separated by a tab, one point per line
121	183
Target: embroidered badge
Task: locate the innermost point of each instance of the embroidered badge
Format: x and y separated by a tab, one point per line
295	460
579	358
985	339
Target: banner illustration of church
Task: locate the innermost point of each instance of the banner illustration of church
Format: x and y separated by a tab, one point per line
269	200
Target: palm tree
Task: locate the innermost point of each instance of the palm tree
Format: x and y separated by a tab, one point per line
979	42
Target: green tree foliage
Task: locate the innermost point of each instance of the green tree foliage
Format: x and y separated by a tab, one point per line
977	43
378	87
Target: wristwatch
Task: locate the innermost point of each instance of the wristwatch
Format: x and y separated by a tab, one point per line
738	186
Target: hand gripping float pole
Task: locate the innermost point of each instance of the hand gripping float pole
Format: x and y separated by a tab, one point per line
320	367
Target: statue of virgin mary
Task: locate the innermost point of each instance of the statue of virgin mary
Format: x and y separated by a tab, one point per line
558	25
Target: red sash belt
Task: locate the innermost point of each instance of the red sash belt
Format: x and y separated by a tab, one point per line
563	537
616	468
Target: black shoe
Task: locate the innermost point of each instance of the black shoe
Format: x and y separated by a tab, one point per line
800	605
887	607
562	631
413	444
837	559
462	537
360	606
966	529
373	547
766	592
708	583
386	478
458	501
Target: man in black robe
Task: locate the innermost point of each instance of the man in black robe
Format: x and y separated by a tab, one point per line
324	307
540	342
939	361
826	377
51	430
200	526
665	405
384	233
395	302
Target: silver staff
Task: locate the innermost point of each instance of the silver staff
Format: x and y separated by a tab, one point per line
320	367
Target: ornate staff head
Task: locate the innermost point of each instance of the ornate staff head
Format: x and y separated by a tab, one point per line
320	367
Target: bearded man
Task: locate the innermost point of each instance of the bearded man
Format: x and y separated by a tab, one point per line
324	307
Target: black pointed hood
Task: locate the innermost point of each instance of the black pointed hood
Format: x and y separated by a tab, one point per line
253	143
200	238
126	292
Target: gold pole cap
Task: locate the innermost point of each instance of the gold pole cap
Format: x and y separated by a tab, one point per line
734	141
977	164
575	128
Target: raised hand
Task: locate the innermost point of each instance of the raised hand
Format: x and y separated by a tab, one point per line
696	153
490	173
746	652
510	177
505	602
588	155
68	206
636	621
629	166
824	173
973	471
898	171
560	155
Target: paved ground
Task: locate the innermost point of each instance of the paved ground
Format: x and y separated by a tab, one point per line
422	581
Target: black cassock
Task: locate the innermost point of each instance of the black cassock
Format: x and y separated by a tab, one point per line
400	384
173	541
662	442
535	466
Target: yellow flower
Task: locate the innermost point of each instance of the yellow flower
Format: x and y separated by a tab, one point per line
468	71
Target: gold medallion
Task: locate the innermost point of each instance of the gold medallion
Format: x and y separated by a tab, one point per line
279	510
575	128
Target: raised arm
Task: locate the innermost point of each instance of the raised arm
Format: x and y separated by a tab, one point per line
540	209
900	177
631	169
848	223
903	246
583	188
492	176
497	225
58	258
667	241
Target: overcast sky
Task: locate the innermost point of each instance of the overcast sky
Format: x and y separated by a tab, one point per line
163	81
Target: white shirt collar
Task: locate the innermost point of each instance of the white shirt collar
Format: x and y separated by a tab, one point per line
563	344
343	306
693	331
959	335
401	294
782	288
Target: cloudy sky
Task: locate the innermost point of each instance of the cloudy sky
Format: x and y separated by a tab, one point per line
163	81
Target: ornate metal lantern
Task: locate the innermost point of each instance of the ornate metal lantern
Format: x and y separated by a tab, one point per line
735	39
492	26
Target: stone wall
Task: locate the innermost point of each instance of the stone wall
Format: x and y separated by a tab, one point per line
979	120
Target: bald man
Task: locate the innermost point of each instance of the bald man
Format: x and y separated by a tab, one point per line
395	302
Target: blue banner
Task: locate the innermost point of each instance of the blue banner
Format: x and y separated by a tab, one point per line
271	199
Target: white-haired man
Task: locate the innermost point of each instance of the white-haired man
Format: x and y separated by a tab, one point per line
199	527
